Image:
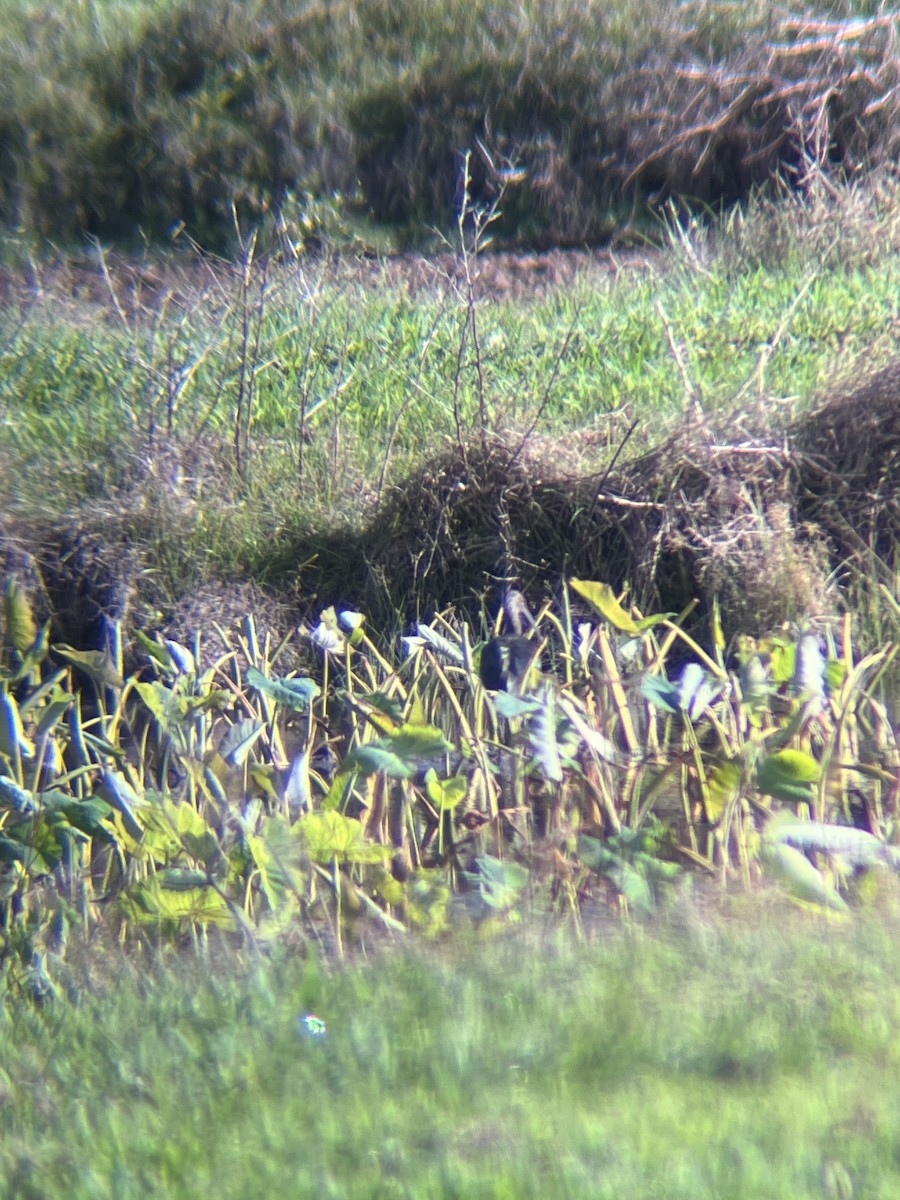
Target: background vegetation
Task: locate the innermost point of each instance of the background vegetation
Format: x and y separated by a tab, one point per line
136	120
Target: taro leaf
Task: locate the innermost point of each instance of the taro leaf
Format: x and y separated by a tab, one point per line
500	882
17	798
413	742
120	795
96	664
331	835
21	628
158	653
510	706
855	846
788	775
601	597
88	816
373	758
182	879
276	853
240	740
801	879
14	849
152	903
294	694
385	712
661	693
162	703
696	691
53	713
442	646
629	861
263	775
723	784
445	793
542	735
196	836
338	793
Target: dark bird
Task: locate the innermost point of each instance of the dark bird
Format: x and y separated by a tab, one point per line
506	659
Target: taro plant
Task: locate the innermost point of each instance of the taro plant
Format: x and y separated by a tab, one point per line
367	791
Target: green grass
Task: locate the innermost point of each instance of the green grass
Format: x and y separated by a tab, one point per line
697	1059
355	379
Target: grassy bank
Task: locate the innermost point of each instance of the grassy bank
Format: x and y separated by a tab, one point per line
705	1058
350	120
232	422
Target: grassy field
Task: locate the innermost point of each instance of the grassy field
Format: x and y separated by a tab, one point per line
704	1056
230	424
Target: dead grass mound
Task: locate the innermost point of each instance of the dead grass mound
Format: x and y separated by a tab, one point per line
767	524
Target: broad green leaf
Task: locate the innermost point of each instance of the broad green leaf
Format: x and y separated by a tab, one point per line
602	598
788	775
161	702
24	850
21	628
331	835
801	879
373	758
158	653
90	815
182	879
96	664
153	903
277	855
414	742
501	882
294	693
240	740
445	793
723	785
53	713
